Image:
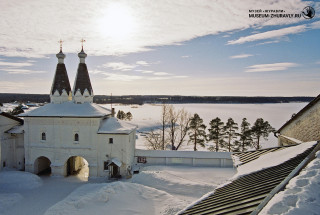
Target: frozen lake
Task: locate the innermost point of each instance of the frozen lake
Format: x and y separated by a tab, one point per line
147	116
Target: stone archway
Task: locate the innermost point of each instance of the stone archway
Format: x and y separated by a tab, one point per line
42	166
77	165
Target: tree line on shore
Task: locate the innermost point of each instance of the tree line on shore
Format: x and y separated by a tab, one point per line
176	125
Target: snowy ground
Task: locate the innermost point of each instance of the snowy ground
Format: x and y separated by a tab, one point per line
302	194
155	190
147	116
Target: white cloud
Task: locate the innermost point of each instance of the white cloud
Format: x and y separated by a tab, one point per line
79	18
9	86
15	64
185	56
161	73
119	66
23	71
269	34
142	63
120	77
275	34
241	56
270	67
145	71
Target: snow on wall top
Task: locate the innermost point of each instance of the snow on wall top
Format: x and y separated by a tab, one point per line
68	109
18	129
182	154
273	159
113	125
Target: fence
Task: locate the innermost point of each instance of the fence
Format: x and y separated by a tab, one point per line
191	158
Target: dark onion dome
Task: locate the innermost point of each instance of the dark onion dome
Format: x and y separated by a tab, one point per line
82	81
61	80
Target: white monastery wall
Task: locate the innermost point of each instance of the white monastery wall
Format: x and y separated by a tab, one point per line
11	145
59	144
305	128
191	158
122	149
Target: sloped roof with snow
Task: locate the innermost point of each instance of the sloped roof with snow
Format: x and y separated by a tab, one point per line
18	129
12	117
256	183
69	109
245	157
113	125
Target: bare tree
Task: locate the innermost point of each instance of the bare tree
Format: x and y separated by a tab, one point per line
154	140
178	126
164	116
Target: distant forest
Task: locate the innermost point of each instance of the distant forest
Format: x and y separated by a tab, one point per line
143	99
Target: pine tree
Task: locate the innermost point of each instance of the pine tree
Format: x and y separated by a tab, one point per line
129	116
245	135
260	129
197	132
17	110
216	133
121	115
230	130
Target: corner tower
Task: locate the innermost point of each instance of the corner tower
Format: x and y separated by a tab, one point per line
60	90
82	89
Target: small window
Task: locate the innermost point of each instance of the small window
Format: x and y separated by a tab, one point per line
105	165
43	136
76	137
111	140
4	164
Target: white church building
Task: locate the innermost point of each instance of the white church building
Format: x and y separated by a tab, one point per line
71	131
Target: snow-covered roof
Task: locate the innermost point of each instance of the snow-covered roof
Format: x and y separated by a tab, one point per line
116	162
256	182
292	139
113	125
68	109
18	129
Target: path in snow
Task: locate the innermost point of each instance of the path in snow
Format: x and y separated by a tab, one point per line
36	201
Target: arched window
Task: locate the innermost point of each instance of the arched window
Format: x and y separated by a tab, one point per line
76	137
43	136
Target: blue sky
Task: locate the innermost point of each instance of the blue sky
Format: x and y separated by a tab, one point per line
206	48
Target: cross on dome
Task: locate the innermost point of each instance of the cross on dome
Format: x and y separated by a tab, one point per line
82	41
60	41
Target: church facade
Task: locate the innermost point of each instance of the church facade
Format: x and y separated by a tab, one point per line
71	131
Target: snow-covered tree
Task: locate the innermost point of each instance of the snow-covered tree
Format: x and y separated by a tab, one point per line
197	133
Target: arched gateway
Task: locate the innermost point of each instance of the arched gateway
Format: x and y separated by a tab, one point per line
77	165
42	166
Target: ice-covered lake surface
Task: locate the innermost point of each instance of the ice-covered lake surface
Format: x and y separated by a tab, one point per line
148	116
